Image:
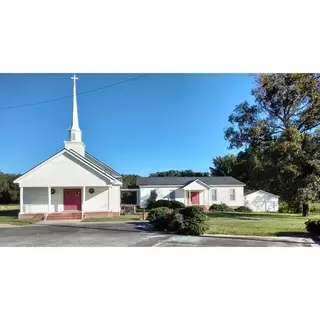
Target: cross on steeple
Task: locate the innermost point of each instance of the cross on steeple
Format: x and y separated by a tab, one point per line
74	78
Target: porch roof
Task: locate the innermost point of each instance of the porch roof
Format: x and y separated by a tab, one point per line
196	185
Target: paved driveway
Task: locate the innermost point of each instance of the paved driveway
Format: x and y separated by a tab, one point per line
120	234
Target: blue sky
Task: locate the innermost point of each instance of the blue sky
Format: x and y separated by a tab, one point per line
155	123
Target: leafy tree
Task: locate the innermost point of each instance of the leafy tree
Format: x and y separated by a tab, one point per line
224	166
280	134
9	191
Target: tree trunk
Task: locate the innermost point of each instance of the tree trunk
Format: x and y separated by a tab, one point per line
305	209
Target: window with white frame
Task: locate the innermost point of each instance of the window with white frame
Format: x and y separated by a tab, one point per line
214	194
172	195
232	194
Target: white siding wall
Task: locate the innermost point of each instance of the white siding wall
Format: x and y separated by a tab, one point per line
262	202
115	199
223	195
35	200
63	171
97	201
162	192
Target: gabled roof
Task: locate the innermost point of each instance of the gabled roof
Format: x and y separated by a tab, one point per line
197	181
181	181
248	192
75	155
102	165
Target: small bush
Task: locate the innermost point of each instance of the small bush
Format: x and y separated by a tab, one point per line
243	209
195	221
220	208
313	226
159	218
172	204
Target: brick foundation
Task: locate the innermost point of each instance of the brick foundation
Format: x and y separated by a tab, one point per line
89	215
31	216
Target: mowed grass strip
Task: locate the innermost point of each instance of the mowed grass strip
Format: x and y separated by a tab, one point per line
268	224
8	216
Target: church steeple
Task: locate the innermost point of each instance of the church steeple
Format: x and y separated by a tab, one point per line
74	131
75	139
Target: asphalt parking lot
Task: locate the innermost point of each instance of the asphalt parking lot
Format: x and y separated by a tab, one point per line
126	234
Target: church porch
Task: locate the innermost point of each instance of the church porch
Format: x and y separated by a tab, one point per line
63	203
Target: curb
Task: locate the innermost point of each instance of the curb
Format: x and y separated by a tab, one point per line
316	242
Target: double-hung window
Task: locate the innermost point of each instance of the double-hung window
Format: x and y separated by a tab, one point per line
214	194
232	194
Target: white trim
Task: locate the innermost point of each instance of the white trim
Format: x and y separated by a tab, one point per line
263	192
197	181
49	199
79	158
182	185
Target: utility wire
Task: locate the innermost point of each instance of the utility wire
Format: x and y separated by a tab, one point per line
78	94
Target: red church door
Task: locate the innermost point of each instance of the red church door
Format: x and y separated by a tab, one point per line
72	199
194	197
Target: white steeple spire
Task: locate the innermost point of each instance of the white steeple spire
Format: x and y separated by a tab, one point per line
75	139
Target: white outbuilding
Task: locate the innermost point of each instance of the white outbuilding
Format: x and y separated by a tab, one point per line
261	201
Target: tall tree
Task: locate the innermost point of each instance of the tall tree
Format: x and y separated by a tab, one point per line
280	132
224	166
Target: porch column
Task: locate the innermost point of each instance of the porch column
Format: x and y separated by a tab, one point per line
83	205
109	198
49	199
189	193
208	197
21	200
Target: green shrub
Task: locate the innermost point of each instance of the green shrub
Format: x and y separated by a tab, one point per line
152	199
159	218
175	221
220	208
172	204
313	226
243	209
195	221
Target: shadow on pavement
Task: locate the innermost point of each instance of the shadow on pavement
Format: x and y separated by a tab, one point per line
138	227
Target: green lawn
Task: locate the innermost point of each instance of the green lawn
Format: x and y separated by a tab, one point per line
125	217
9	215
271	224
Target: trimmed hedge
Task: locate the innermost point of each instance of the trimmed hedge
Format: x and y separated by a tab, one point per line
243	209
190	220
172	204
195	220
313	226
220	208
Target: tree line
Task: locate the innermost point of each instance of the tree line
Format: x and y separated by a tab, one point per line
276	142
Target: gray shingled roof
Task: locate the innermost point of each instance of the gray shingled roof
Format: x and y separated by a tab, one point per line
142	181
103	166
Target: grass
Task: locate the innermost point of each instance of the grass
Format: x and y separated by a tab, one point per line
125	217
271	224
9	215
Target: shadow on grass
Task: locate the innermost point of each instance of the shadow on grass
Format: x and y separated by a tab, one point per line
9	213
294	234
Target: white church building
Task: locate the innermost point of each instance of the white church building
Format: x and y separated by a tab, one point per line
71	184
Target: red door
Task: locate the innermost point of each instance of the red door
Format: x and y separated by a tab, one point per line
194	197
72	199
